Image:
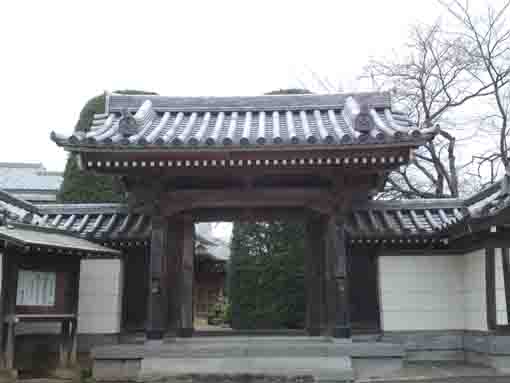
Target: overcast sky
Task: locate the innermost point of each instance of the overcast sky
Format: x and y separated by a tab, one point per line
58	54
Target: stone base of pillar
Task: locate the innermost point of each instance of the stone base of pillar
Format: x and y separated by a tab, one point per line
185	332
8	375
154	334
342	332
66	373
314	331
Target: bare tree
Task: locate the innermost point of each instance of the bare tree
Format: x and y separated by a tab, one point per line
442	71
487	38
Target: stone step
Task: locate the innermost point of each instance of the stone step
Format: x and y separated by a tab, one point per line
321	369
250	347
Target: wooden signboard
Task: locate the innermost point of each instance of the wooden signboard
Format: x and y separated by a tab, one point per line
36	288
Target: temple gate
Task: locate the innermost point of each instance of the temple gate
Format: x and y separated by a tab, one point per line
184	160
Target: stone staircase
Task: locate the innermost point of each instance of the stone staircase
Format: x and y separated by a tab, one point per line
324	359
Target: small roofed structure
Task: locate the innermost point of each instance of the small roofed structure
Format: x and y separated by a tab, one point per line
40	277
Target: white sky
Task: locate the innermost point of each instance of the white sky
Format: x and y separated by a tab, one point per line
58	54
55	55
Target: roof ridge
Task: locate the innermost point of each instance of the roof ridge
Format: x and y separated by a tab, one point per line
116	102
82	208
345	94
43	229
22	165
50	173
421	203
17	202
484	193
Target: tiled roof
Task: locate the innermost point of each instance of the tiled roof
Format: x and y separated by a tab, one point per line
21	177
375	220
20	225
488	208
144	121
491	200
38	238
17	209
107	223
407	220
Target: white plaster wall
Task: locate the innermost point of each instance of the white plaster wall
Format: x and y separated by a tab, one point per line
475	306
100	304
501	313
421	292
439	292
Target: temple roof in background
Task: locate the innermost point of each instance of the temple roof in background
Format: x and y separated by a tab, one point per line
30	181
304	120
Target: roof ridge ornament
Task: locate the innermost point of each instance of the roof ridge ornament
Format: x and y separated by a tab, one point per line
364	122
127	123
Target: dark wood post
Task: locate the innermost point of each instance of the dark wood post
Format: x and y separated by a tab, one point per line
314	276
73	347
172	280
10	309
490	287
63	349
338	323
308	279
157	305
186	277
3	296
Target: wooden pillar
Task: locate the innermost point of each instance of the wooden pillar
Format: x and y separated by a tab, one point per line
73	334
186	277
172	278
63	350
10	344
10	309
313	276
490	288
337	297
73	347
156	302
3	297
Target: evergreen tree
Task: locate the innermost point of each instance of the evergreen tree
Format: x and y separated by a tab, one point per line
266	275
86	186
